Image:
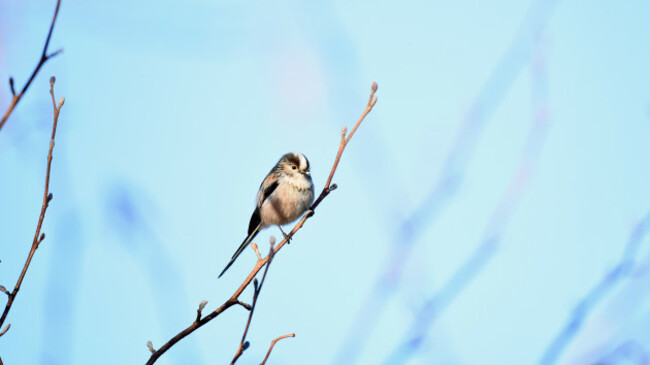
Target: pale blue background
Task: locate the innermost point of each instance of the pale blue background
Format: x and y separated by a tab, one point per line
175	111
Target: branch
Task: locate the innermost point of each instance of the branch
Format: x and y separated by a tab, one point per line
47	197
234	299
476	262
597	293
446	186
273	344
44	58
243	345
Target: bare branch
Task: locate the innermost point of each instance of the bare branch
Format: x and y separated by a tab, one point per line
44	58
234	299
243	345
273	344
47	197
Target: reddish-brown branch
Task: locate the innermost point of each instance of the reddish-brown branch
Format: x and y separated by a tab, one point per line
47	197
273	344
44	58
260	263
243	345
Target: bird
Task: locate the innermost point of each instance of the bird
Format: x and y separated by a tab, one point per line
284	195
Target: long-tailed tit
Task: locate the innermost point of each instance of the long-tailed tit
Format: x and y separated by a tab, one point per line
285	194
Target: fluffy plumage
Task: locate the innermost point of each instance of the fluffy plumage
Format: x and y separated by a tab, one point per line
284	195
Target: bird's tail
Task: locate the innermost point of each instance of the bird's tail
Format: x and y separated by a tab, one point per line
242	247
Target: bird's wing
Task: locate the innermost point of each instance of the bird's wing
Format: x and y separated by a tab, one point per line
256	219
267	188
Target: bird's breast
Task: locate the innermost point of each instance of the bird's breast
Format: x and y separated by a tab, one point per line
288	202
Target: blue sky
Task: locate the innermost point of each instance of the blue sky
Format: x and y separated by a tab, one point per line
175	111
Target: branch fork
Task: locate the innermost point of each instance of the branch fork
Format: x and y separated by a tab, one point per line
44	58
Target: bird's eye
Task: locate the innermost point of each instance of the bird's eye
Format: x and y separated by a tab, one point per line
293	167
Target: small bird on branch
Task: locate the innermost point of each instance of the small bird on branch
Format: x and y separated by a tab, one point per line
285	194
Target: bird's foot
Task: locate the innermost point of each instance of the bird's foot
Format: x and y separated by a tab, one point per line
286	236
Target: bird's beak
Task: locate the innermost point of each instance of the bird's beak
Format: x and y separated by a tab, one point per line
308	173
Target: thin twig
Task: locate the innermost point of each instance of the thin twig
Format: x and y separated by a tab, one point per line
243	345
273	344
47	197
234	299
245	305
44	58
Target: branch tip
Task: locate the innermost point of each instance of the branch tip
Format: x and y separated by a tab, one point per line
150	346
202	305
257	252
200	309
273	344
55	53
4	290
6	329
52	81
11	86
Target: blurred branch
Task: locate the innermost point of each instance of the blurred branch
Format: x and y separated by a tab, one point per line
632	351
243	345
44	58
445	187
476	262
597	293
271	347
234	299
47	197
